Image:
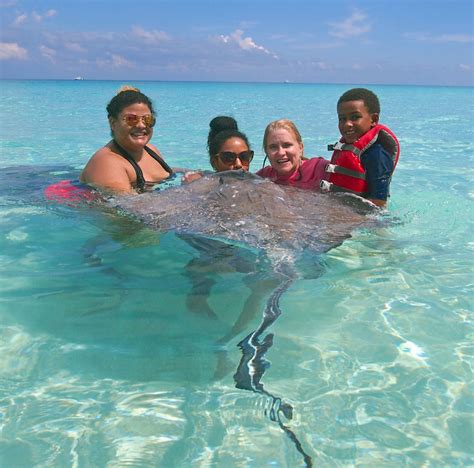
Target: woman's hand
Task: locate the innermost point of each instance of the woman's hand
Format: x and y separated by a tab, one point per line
191	176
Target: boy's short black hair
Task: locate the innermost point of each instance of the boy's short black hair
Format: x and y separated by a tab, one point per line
370	99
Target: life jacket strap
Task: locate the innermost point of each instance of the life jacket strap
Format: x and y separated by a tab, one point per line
335	169
326	186
339	146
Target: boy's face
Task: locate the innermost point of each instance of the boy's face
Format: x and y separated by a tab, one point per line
355	120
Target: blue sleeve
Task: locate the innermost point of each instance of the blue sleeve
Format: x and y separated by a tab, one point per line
378	165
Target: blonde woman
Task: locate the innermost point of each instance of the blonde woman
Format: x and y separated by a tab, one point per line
284	149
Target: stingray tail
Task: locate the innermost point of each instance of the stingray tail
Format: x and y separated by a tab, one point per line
253	364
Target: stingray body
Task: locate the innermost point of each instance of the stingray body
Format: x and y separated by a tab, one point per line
283	221
246	209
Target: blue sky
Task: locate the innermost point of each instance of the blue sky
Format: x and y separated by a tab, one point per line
322	41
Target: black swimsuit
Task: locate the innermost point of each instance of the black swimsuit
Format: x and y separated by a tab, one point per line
141	182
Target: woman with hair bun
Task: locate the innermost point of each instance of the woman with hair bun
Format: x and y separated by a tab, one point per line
128	163
229	148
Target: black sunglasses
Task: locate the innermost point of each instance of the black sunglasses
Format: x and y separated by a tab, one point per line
229	157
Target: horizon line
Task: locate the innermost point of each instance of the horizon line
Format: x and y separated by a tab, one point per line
286	82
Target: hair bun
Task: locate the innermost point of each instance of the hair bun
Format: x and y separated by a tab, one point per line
221	123
127	88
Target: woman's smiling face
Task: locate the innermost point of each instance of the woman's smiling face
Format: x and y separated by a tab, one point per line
284	151
232	145
136	137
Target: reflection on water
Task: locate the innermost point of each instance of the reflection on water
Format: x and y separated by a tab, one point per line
106	360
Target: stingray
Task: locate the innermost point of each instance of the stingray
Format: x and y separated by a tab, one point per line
246	210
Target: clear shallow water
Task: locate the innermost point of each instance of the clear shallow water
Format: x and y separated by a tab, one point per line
104	362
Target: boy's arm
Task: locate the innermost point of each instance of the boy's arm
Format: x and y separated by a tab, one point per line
379	203
378	165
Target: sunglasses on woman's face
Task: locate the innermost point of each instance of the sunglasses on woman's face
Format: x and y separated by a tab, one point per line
132	120
229	157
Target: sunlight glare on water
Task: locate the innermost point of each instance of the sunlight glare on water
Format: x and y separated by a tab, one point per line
106	360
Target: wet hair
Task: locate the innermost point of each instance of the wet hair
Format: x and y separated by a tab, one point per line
221	129
127	96
286	125
370	99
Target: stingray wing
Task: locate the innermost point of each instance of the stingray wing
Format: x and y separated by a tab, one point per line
242	207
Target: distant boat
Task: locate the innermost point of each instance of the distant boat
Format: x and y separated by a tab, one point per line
79	78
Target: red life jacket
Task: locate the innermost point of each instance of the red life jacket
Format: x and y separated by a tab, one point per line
346	173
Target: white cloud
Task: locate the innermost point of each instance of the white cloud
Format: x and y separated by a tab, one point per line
20	19
48	53
119	61
248	24
355	25
465	67
460	38
150	37
95	37
115	60
457	38
38	18
74	47
11	50
245	43
320	65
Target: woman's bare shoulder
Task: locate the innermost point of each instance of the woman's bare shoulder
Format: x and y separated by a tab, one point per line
107	169
105	157
105	154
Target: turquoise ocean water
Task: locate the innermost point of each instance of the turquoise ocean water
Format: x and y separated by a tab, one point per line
105	363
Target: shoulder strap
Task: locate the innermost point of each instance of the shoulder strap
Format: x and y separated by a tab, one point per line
159	159
138	171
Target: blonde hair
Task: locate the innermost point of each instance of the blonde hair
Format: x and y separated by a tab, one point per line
286	125
127	88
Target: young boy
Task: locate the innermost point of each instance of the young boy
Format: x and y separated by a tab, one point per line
365	157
